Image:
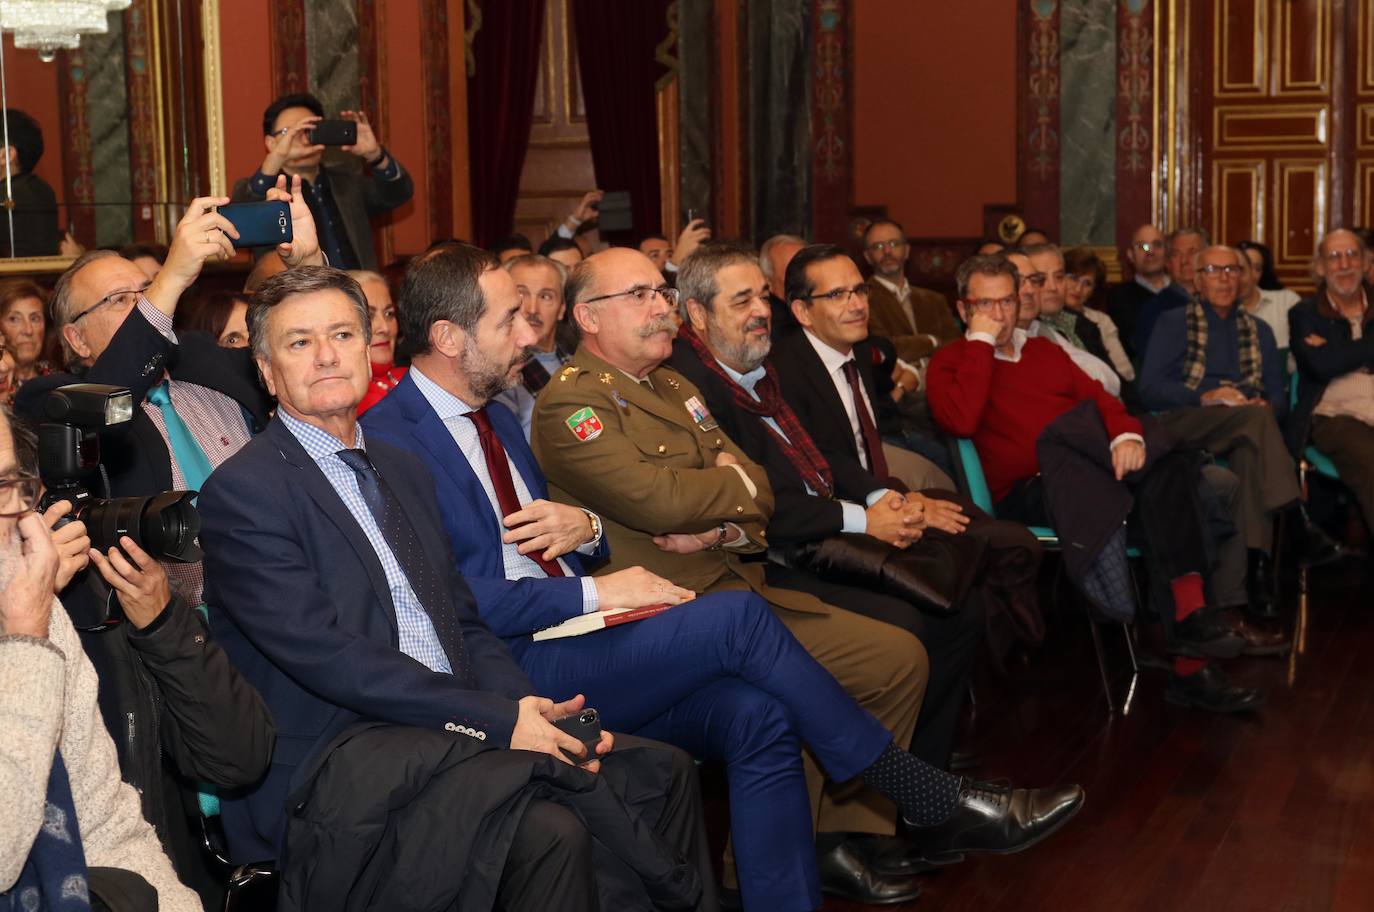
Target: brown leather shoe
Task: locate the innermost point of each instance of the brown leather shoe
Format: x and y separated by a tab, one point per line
1259	640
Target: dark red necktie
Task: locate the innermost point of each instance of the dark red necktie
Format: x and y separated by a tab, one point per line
877	462
499	469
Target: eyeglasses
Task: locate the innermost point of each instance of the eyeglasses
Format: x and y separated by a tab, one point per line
987	304
841	295
644	294
25	486
122	300
1351	253
1212	269
1035	278
880	246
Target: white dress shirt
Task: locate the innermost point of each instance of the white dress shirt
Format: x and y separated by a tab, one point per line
453	412
1087	362
834	365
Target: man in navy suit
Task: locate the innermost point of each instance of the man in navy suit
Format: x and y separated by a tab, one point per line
333	591
719	675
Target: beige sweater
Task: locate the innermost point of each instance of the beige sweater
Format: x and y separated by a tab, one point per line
47	700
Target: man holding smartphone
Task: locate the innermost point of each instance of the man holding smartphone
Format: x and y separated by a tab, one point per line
342	199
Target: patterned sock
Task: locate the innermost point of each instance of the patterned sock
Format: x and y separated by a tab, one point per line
1188	595
1108	581
1183	666
925	795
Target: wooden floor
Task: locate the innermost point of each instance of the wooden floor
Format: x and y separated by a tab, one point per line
1186	810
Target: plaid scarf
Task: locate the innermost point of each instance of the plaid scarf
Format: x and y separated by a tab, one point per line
1247	337
794	442
1066	322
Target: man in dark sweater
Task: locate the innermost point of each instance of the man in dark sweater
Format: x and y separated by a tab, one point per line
1124	301
1057	448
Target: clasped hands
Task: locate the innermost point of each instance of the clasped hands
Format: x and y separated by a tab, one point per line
900	519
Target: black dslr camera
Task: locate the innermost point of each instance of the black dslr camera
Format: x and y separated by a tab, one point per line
164	525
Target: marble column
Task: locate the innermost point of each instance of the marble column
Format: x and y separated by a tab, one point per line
107	118
779	117
1087	100
695	20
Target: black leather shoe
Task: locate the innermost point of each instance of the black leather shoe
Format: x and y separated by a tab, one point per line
1205	634
995	818
1211	690
1259	588
844	874
1320	549
891	856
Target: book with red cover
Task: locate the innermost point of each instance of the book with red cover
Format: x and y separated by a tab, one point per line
598	620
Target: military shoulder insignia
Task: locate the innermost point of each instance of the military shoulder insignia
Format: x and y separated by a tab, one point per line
673	383
605	377
584	424
565	373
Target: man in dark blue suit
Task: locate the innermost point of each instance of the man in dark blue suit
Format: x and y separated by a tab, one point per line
331	584
720	676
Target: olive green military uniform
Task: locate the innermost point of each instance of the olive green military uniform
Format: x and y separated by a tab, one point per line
644	458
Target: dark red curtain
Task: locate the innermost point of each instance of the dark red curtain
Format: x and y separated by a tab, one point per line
500	109
616	42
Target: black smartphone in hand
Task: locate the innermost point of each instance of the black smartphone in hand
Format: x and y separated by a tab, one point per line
334	133
585	726
264	224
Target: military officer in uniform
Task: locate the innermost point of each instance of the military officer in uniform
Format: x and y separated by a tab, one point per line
618	433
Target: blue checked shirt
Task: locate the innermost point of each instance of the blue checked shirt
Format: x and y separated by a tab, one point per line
413	626
453	412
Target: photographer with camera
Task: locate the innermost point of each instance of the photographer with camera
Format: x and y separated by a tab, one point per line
178	710
68	826
343	201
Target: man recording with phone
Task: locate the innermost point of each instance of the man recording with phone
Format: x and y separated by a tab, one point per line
341	199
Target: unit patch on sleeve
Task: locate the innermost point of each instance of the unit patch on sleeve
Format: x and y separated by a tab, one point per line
584	424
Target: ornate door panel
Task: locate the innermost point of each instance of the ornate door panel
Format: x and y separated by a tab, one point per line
1362	183
1267	119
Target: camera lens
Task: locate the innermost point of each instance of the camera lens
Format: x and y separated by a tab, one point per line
165	525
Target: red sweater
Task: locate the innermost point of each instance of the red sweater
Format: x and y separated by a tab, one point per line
1004	405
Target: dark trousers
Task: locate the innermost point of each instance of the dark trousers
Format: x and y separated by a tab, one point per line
951	644
722	678
550	863
1349	444
1250	441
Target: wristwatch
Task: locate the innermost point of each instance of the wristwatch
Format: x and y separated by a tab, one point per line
596	527
720	539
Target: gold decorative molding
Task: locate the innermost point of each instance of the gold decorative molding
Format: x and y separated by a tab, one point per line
1364	132
1222	199
1284	82
1364	195
1285	247
216	162
1222	50
49	265
470	35
1270	126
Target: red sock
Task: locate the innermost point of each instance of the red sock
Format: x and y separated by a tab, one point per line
1188	595
1185	666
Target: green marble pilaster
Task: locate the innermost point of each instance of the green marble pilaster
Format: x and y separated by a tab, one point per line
1087	128
107	117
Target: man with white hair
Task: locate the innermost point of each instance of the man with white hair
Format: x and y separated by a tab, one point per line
1214	374
1335	353
774	256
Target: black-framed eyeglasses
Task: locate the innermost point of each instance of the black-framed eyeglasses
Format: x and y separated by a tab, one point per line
23	486
841	295
125	299
644	294
1212	269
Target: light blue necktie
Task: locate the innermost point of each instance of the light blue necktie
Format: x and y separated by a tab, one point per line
195	465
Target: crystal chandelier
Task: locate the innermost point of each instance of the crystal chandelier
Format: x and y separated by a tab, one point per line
48	25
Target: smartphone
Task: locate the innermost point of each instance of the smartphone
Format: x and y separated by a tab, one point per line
585	726
334	133
693	215
264	224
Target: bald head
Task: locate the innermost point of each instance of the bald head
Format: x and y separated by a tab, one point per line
625	312
1218	271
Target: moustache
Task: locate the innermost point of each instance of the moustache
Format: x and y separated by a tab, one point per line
534	320
756	323
661	324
